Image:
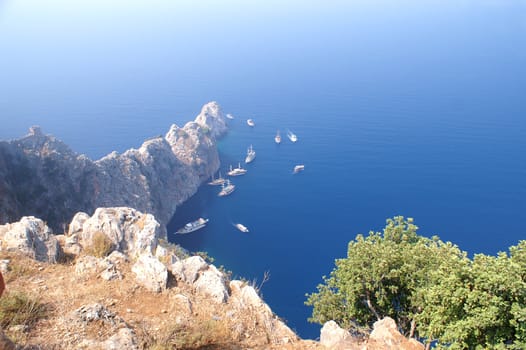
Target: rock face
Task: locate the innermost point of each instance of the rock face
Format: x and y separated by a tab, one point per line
385	336
129	230
41	176
32	237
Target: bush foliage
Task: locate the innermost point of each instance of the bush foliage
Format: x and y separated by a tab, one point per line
431	288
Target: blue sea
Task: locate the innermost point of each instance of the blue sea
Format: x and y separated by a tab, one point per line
413	108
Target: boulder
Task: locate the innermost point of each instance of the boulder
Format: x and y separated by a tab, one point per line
32	237
151	273
124	339
129	230
188	269
77	222
332	336
212	283
385	334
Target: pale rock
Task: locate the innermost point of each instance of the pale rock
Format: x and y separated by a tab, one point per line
4	265
77	222
88	264
123	339
385	333
151	273
246	299
129	230
188	269
32	237
331	335
116	257
212	118
212	283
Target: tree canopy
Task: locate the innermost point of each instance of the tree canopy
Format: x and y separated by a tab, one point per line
430	287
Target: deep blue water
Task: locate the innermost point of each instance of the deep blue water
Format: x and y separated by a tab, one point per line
408	108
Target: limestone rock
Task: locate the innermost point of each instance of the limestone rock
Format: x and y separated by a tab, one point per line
246	300
42	176
212	283
188	269
32	237
151	273
129	230
123	339
77	222
332	336
385	334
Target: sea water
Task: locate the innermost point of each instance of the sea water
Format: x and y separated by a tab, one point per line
414	108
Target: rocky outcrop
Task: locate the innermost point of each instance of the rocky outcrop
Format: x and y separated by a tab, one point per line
32	237
385	336
332	336
41	176
151	273
129	230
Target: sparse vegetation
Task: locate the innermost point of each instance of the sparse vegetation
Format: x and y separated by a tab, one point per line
100	246
19	308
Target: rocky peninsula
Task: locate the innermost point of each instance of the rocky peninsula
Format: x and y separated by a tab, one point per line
41	176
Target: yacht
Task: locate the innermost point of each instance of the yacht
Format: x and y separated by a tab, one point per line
250	122
216	182
299	168
226	190
292	137
192	226
241	227
251	154
230	116
237	171
277	138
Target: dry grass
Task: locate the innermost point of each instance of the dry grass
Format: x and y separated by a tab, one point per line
160	321
100	246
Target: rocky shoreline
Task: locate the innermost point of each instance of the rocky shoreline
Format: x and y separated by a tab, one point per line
41	176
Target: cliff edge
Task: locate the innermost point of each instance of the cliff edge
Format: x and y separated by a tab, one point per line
41	176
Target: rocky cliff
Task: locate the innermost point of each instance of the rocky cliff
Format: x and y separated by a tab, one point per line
43	177
112	283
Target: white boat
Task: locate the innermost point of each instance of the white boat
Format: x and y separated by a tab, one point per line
237	171
241	227
226	189
251	154
216	182
277	138
192	226
292	137
229	116
299	168
250	122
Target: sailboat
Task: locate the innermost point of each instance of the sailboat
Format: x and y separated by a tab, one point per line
237	171
277	138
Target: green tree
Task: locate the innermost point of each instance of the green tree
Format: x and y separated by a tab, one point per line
431	288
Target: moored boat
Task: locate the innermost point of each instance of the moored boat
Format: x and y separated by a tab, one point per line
237	171
226	189
192	226
299	168
216	182
251	154
241	227
277	138
230	116
292	137
251	122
